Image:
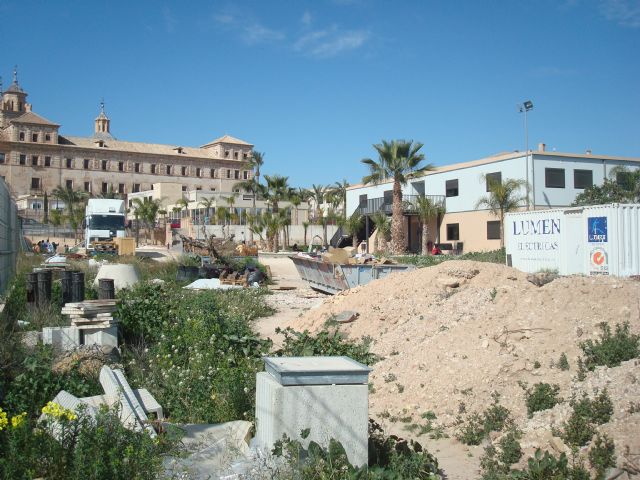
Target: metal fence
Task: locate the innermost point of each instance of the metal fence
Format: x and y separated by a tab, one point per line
385	204
9	237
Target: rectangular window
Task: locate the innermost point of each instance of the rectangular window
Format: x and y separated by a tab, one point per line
235	155
153	168
1	157
34	137
362	201
451	188
198	188
213	173
453	231
35	183
228	173
184	171
554	177
184	188
582	178
197	172
244	155
23	159
245	175
495	177
69	163
121	166
136	187
47	161
104	165
87	186
388	197
85	164
121	188
226	153
168	169
105	187
34	160
236	174
47	138
21	136
493	230
136	167
69	184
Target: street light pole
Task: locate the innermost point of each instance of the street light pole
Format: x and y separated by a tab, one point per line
524	108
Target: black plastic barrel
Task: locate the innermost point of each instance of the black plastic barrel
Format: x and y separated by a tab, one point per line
32	287
77	286
44	287
65	282
106	289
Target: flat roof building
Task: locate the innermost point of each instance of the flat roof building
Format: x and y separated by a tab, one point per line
555	180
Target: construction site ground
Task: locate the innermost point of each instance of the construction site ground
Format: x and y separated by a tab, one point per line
454	333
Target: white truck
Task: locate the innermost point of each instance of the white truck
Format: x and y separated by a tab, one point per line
104	220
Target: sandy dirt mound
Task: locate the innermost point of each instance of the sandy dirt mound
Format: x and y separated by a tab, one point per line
456	332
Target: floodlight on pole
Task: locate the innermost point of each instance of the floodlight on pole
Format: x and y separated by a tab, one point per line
525	107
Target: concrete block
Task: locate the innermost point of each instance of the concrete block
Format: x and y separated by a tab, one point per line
65	338
106	337
340	412
120	393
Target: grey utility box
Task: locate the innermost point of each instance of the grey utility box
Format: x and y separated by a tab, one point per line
327	395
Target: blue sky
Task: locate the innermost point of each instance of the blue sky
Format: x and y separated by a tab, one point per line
314	84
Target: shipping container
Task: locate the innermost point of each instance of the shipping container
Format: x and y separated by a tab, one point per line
532	239
592	240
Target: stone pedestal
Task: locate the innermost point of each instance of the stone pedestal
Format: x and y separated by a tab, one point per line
338	411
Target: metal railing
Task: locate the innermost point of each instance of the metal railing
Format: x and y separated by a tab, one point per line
384	204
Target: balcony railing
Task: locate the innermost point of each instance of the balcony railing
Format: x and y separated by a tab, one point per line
382	204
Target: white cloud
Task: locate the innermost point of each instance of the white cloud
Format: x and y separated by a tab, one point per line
330	42
624	12
169	20
257	33
306	18
224	18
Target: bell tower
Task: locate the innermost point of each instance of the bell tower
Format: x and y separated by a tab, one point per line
102	123
13	102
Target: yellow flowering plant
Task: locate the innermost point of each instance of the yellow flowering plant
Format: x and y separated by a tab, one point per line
17	420
54	410
3	420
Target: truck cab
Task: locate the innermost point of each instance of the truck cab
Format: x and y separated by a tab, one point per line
104	220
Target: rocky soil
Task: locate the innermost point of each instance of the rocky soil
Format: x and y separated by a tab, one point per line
454	333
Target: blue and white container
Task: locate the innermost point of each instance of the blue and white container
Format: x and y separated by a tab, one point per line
593	240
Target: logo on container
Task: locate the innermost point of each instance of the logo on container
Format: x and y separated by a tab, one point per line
599	261
597	229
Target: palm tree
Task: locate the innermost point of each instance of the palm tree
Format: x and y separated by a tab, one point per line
208	204
398	160
503	198
71	198
305	225
383	227
427	210
276	190
339	191
146	210
255	162
56	220
317	194
352	226
183	203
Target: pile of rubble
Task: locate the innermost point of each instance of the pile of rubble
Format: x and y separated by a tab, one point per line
454	333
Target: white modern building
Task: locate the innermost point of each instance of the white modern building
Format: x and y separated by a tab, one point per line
555	180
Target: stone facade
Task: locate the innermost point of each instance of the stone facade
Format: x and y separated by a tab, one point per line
35	158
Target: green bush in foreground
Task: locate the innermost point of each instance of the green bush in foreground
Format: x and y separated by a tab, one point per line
86	449
580	427
542	396
477	427
611	349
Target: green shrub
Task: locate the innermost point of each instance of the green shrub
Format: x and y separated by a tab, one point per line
36	383
472	431
201	364
495	256
326	342
477	427
563	362
602	455
86	449
547	467
611	349
580	427
541	397
496	416
578	430
497	461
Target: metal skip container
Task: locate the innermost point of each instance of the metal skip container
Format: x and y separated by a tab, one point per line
591	240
